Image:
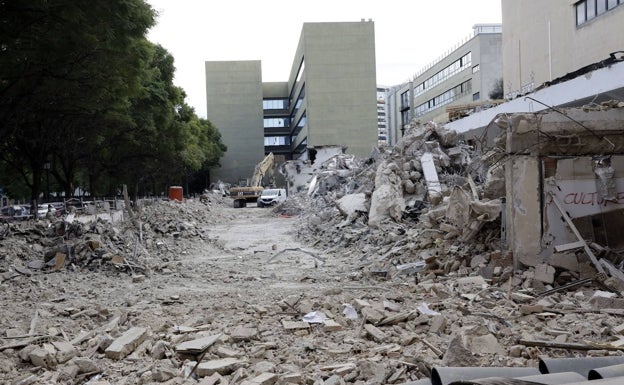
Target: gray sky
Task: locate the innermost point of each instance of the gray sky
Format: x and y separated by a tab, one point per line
409	34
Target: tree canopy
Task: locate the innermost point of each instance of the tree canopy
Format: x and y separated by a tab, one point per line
88	101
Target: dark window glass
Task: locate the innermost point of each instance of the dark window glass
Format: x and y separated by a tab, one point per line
580	13
591	9
601	6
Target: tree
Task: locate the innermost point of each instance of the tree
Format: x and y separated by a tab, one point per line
497	92
83	90
64	64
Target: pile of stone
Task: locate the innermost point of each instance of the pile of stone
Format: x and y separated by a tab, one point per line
430	200
139	246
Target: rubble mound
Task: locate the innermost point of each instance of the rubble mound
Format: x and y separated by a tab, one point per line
139	244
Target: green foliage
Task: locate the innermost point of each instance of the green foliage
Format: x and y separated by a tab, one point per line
82	89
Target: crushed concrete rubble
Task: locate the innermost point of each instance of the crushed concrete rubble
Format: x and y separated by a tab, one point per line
376	273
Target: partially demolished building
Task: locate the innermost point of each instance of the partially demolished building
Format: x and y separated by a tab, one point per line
563	173
544	195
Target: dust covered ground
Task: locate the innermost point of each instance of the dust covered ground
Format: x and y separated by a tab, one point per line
101	303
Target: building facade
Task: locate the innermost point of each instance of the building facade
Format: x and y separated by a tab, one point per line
328	100
545	40
557	54
463	79
234	94
382	116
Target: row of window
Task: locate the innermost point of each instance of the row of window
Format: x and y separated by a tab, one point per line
277	141
587	10
275	104
444	98
457	66
276	122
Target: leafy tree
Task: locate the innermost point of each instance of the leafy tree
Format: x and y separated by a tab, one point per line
64	64
83	91
496	92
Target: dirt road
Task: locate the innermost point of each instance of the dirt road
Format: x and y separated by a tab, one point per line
243	277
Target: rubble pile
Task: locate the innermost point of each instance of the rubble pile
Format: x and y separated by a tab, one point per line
89	242
427	200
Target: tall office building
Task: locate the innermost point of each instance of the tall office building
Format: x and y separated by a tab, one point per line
464	77
328	100
557	54
545	40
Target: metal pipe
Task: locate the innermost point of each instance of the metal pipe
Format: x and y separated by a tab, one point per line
540	379
606	372
446	375
580	365
606	381
554	378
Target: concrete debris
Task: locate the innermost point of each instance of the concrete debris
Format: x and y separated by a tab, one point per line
372	272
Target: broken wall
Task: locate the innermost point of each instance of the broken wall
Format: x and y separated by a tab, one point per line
298	173
592	194
571	155
523	206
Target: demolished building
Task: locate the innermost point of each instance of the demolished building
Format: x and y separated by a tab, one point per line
538	190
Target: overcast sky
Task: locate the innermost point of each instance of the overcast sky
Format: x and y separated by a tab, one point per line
409	34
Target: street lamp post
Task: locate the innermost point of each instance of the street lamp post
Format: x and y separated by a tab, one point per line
46	167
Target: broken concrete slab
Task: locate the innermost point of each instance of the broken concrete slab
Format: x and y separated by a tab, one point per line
350	204
295	325
198	345
222	366
375	333
243	334
262	379
125	344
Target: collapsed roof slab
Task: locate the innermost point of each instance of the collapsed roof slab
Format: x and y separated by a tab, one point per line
565	132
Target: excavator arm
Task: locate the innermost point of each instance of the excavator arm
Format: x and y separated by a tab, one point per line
251	192
266	165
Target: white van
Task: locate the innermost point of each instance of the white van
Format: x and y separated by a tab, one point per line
272	196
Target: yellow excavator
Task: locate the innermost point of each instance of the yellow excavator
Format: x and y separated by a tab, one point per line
251	190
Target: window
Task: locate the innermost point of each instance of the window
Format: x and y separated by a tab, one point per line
476	96
404	100
275	104
404	117
447	72
445	98
587	10
475	69
276	122
276	141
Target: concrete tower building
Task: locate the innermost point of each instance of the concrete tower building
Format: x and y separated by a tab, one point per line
329	100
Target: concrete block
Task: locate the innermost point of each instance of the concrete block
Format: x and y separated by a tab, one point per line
243	334
359	304
375	333
86	365
68	373
373	316
331	326
211	380
222	366
43	358
438	324
294	325
291	378
262	379
544	273
125	344
64	351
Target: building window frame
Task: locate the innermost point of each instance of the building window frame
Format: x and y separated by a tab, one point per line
587	10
